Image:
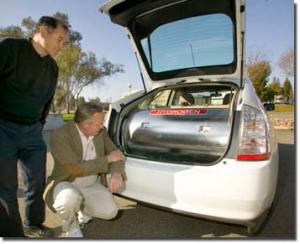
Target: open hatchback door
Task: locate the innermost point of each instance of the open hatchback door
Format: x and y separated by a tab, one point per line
185	40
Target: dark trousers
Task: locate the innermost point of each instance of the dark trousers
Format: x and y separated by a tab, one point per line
23	142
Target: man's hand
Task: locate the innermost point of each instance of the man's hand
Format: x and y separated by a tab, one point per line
115	156
115	182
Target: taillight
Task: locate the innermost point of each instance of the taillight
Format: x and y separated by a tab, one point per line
254	141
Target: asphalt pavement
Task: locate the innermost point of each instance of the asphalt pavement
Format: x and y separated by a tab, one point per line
142	222
281	115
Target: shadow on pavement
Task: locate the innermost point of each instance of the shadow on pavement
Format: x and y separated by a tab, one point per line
282	219
145	222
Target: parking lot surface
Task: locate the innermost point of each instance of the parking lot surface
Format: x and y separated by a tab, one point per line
138	221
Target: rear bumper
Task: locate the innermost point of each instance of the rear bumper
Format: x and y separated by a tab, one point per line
230	191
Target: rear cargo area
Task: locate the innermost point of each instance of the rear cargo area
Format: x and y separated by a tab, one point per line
181	124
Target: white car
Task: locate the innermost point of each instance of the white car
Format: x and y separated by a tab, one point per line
197	139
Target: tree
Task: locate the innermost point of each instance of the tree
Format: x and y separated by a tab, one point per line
272	89
80	100
258	70
287	89
59	101
286	63
17	32
30	25
90	71
95	100
79	69
85	73
11	31
67	60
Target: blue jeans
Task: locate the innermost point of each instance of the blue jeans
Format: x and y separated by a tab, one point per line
23	142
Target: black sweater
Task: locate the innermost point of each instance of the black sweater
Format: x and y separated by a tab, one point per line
27	82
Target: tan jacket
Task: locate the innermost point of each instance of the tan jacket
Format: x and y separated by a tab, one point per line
66	149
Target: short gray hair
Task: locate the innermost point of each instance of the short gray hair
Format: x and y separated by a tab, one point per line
86	110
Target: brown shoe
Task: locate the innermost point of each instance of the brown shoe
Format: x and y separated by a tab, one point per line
40	231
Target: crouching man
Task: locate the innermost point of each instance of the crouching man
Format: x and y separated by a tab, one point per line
82	151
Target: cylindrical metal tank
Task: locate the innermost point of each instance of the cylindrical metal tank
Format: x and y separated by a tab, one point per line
192	135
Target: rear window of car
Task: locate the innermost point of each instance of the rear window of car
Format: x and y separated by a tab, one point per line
205	97
193	42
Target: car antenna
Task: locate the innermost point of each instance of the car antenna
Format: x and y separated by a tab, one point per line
142	77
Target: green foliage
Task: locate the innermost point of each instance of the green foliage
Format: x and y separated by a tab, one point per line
258	71
287	89
108	69
272	89
68	117
86	72
78	69
89	71
59	100
17	32
67	61
81	100
11	31
30	25
95	100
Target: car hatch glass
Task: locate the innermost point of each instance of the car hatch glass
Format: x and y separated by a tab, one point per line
193	42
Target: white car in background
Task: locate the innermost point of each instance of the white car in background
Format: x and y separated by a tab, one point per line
197	139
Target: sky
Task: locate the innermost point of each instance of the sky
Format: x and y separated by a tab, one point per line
269	30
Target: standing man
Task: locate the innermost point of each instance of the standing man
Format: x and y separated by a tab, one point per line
82	151
28	78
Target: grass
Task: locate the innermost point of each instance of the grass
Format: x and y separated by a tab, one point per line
284	107
68	117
